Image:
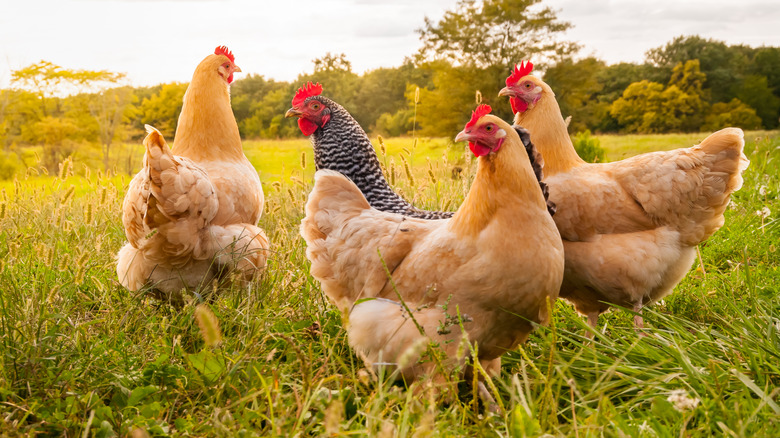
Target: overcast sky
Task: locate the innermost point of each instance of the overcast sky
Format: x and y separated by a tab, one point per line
157	41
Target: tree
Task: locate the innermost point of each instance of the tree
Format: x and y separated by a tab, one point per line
44	78
767	63
112	109
722	64
335	74
638	107
163	108
444	108
58	137
382	94
734	113
494	33
690	81
576	84
755	92
646	107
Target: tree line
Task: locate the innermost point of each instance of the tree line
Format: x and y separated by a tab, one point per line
689	84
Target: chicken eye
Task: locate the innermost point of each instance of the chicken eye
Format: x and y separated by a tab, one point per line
489	128
527	85
315	106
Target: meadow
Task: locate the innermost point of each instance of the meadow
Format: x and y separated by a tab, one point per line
81	356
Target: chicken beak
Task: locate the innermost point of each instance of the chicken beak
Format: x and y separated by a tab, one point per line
462	136
236	69
292	112
506	91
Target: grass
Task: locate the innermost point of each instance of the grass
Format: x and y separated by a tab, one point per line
83	357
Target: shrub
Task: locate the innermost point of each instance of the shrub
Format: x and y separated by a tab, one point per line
735	113
589	148
9	165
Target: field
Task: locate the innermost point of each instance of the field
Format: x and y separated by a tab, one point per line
83	357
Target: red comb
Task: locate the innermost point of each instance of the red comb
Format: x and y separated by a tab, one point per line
524	69
223	50
477	114
305	91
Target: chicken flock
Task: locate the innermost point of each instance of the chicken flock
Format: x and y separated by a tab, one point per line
538	223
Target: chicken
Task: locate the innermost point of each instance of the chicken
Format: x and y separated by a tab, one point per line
190	214
444	271
340	144
630	228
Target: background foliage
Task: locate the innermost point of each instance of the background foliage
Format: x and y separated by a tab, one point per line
690	84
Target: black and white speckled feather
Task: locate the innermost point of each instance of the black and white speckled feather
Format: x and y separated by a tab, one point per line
537	163
342	145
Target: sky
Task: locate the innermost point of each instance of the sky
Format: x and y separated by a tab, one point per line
155	41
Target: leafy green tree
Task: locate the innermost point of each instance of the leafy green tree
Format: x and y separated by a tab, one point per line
646	107
443	109
162	109
494	33
20	108
639	103
267	119
113	111
755	92
722	64
57	135
393	125
735	113
766	62
688	78
471	49
382	94
576	84
44	79
338	81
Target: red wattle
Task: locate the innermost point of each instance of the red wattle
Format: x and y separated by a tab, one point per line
518	105
307	127
478	150
498	145
325	119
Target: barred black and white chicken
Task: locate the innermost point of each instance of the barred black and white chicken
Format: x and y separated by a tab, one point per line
340	144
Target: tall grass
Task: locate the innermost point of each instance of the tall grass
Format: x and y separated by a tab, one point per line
83	357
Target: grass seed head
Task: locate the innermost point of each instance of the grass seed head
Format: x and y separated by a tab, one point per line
64	262
408	170
382	147
303	160
208	324
334	415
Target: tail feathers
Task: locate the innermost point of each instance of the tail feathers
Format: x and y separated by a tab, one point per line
537	163
382	332
726	146
179	188
724	160
333	199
